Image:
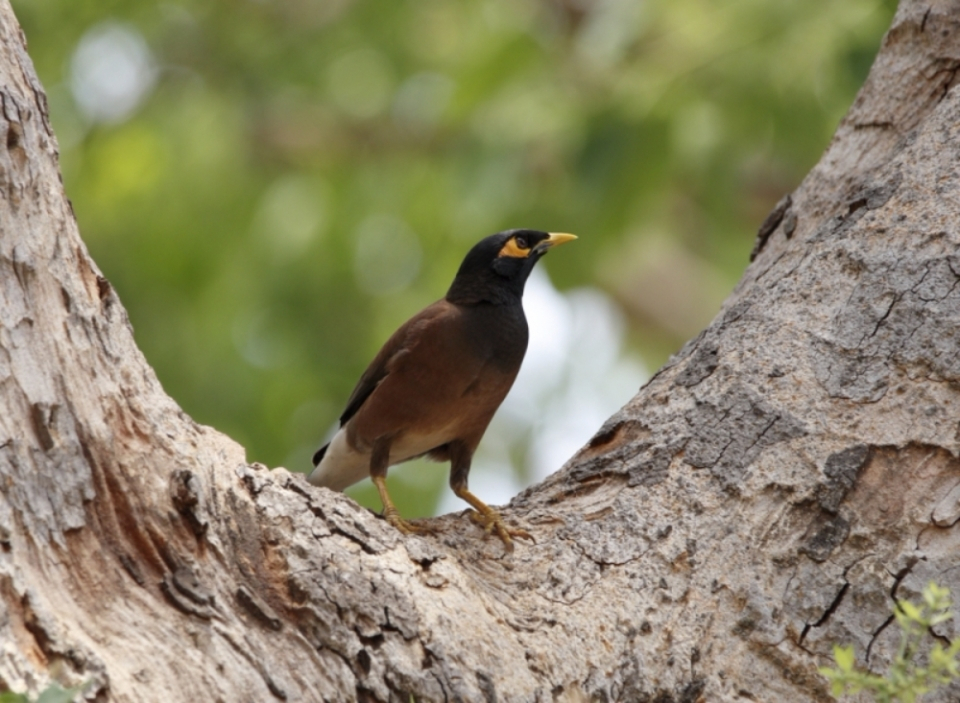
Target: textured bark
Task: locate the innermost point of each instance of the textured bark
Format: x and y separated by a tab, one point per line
772	489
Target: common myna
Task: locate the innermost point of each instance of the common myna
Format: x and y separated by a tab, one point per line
433	388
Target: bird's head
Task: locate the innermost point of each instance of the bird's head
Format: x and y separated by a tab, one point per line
497	267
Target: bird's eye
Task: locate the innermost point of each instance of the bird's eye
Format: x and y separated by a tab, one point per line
521	242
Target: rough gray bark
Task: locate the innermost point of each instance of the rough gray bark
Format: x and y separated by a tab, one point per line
785	476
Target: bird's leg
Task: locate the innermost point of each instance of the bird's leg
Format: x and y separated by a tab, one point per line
379	462
485	516
390	512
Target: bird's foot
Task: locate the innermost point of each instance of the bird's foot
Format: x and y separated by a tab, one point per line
491	522
406	527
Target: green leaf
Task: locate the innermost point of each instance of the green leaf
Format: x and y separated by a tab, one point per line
910	610
55	693
935	595
845	657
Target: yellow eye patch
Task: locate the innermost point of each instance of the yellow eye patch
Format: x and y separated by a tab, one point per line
511	248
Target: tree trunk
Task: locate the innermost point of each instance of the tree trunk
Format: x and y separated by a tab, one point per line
766	495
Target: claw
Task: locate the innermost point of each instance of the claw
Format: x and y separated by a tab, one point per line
392	515
489	519
491	522
405	526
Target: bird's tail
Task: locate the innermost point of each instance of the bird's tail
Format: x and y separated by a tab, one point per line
316	476
318	456
338	465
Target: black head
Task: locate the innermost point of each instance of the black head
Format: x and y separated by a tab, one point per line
497	267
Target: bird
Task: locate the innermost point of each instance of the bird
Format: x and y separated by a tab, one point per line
438	380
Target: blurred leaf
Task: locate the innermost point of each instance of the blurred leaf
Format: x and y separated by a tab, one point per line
56	694
844	656
295	179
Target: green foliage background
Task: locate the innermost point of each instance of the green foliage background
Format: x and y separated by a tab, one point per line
228	210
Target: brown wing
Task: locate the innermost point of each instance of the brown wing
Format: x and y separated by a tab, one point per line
394	348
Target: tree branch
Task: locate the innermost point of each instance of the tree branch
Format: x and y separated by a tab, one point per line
755	503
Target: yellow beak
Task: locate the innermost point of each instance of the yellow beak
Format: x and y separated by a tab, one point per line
557	238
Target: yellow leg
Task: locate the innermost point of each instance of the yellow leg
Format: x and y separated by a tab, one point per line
390	512
490	520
